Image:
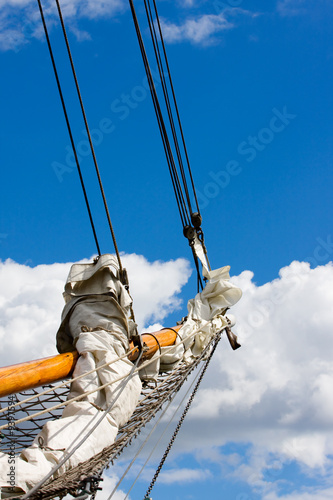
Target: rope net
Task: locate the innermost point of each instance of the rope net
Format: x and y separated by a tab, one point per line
154	394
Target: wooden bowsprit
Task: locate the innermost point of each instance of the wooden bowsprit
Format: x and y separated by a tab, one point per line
25	376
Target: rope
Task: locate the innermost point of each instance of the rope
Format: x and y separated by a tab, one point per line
70	482
89	137
157	341
68	126
101	387
184	215
176	106
141	448
166	453
120	389
54	388
166	98
179	180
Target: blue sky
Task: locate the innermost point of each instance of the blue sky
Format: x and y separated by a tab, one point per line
253	82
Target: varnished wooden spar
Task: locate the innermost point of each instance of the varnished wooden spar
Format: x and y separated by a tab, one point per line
24	376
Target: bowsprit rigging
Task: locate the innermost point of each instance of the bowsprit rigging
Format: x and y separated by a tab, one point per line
176	156
121	380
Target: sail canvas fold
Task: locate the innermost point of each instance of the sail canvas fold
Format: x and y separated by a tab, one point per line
96	322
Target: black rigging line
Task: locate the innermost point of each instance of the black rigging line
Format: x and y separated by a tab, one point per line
166	97
176	106
89	137
68	125
167	147
192	218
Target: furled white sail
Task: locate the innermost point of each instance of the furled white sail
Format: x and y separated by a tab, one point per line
96	322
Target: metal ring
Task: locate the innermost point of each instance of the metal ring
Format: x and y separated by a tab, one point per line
159	345
173	330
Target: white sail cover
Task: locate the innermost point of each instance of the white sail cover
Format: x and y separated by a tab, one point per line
206	316
95	321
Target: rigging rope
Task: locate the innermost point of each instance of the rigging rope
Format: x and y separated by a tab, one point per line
159	60
89	138
184	215
61	462
191	221
101	387
176	106
68	125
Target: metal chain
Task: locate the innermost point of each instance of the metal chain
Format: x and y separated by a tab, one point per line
168	448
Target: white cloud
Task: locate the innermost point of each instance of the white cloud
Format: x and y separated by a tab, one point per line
290	7
20	19
196	30
184	475
31	301
187	3
313	494
299	7
274	395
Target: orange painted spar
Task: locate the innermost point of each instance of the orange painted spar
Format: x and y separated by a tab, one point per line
24	376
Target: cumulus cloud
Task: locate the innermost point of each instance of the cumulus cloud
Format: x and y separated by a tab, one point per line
31	301
20	19
275	393
272	397
313	494
183	475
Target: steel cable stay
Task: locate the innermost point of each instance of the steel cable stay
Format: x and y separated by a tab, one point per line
184	214
166	97
164	69
179	181
68	125
122	271
191	223
176	105
89	138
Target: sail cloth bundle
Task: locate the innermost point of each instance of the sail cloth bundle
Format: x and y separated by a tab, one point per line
96	321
